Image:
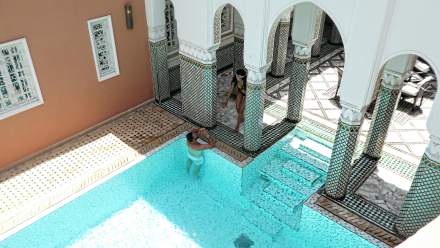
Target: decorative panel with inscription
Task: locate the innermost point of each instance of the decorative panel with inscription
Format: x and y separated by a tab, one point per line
171	28
103	47
19	88
227	20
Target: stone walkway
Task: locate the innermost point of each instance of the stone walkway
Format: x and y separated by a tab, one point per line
37	184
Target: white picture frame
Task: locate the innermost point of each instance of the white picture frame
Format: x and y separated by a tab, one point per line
107	54
37	99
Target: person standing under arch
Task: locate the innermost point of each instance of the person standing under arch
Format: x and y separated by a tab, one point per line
238	85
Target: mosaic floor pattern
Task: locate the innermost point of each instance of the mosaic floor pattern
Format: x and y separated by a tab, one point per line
41	182
408	135
382	191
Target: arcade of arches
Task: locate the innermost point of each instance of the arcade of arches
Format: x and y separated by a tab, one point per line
295	59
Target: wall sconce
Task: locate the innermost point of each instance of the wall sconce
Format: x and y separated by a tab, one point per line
129	15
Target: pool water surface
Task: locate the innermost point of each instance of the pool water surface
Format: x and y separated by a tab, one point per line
157	204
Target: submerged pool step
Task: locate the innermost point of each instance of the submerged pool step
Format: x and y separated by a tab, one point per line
311	151
296	169
306	157
279	210
290	199
263	221
275	174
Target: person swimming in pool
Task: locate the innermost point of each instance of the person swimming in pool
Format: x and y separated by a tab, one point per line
238	84
195	149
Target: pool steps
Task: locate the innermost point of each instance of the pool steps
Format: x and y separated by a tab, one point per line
307	157
275	174
283	214
282	195
303	174
263	220
285	183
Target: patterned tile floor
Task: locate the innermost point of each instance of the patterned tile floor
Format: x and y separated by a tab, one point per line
380	188
37	184
408	133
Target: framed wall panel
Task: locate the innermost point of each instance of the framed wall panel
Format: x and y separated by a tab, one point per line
103	47
19	87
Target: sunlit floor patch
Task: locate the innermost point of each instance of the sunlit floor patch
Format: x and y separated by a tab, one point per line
139	225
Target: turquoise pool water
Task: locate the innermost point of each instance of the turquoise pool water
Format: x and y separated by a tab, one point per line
157	204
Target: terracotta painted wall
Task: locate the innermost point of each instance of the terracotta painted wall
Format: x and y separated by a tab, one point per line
58	39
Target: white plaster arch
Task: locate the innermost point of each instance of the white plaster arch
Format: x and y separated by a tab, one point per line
327	10
271	37
218	9
254	18
220	4
416	52
433	121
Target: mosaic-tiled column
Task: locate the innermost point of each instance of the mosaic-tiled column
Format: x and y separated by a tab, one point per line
316	48
298	83
159	63
383	111
422	203
238	53
339	171
394	73
198	74
253	113
280	48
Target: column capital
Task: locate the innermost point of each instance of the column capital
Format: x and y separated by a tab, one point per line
256	75
302	51
396	70
156	33
352	116
392	80
193	51
433	149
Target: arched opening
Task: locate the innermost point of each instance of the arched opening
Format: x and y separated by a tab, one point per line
402	138
319	101
229	59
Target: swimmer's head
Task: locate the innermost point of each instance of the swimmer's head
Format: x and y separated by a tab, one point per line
190	137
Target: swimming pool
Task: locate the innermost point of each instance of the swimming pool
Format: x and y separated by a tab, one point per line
157	204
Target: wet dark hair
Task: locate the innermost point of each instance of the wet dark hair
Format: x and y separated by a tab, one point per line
243	73
189	137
